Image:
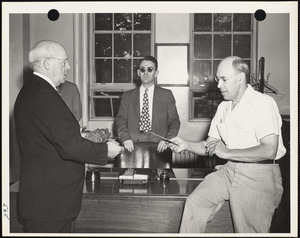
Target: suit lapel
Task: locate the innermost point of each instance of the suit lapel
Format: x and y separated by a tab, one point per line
135	101
156	100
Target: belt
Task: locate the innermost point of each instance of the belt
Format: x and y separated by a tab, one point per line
258	162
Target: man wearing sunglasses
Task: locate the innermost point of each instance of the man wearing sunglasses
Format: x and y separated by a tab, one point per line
162	115
245	131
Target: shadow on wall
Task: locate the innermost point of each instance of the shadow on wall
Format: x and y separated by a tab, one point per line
27	74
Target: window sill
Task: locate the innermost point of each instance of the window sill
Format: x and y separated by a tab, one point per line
200	120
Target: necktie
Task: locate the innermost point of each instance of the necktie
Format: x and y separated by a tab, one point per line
145	125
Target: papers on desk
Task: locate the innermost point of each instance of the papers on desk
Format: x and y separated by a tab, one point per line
135	179
135	176
133	190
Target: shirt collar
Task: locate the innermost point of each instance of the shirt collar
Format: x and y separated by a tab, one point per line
248	94
46	79
150	88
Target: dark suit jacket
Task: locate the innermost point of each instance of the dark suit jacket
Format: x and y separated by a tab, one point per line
53	153
165	119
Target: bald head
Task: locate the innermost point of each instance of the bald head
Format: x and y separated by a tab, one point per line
232	76
44	49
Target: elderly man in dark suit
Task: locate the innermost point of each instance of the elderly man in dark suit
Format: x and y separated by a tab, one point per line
52	150
161	115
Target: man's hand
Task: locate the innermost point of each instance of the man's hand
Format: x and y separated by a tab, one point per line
128	144
162	146
218	148
182	144
113	149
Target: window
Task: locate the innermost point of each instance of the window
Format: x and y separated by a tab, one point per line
214	37
119	41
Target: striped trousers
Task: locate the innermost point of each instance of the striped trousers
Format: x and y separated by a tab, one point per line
254	192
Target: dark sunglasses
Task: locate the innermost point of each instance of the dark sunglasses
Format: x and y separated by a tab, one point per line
150	69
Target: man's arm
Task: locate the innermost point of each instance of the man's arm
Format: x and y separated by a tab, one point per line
197	147
173	117
63	132
266	150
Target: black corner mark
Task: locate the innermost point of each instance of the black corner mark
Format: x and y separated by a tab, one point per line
53	15
260	15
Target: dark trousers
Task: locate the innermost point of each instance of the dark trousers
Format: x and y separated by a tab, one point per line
64	226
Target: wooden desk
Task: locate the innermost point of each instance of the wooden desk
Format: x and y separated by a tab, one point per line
110	207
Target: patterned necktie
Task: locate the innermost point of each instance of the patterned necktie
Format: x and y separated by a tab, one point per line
145	125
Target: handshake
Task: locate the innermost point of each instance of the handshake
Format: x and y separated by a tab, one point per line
102	136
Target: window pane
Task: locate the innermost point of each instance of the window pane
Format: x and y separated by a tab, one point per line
142	21
202	73
103	45
123	21
141	44
241	22
122	45
242	46
103	21
102	107
114	101
116	104
122	71
202	47
103	70
202	22
215	66
222	46
202	107
222	22
205	104
136	78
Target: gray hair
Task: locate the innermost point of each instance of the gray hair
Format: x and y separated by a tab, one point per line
43	49
241	66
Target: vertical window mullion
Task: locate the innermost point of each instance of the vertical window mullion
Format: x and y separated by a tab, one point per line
92	106
212	42
113	49
132	50
231	34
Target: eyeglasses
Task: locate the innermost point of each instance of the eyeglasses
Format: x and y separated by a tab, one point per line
149	69
224	79
65	61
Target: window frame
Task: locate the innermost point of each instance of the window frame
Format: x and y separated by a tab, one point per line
193	88
174	45
93	86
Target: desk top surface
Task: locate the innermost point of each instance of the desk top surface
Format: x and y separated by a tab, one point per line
182	182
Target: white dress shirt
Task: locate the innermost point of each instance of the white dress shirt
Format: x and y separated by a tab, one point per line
254	117
46	79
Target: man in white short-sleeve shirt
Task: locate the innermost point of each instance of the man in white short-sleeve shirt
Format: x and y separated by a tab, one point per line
246	131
